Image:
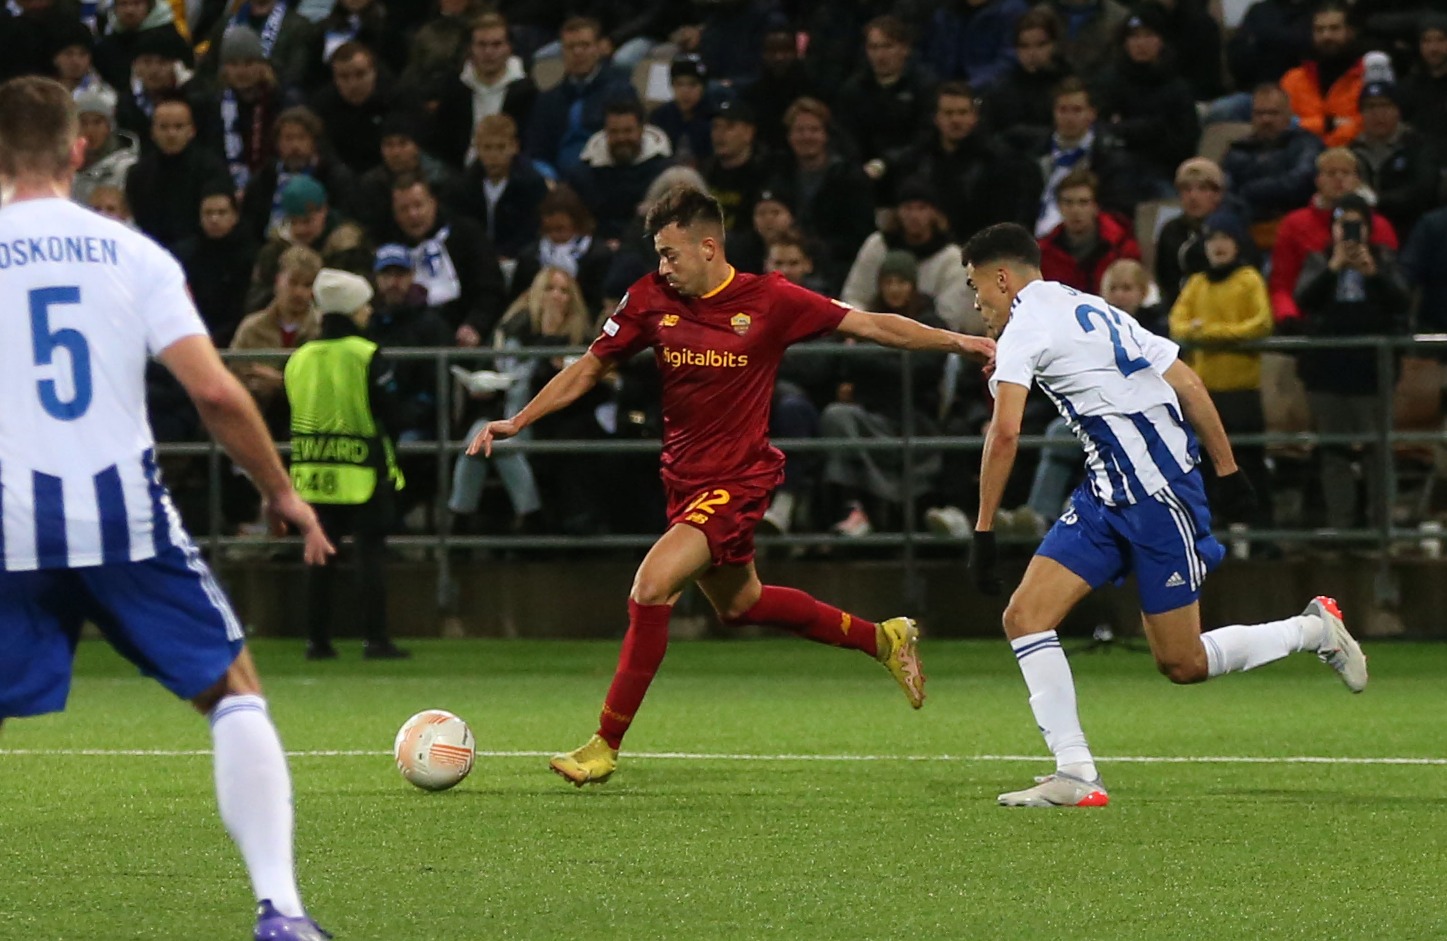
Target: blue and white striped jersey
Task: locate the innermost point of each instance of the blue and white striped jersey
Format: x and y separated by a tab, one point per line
1103	371
84	303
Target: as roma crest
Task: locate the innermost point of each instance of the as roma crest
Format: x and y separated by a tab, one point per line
740	322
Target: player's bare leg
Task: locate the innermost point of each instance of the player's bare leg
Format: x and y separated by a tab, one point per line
1046	594
253	792
679	556
1186	655
740	598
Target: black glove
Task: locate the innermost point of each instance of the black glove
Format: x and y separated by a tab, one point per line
1237	498
983	556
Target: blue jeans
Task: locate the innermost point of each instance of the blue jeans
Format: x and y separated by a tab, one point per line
1059	464
470	473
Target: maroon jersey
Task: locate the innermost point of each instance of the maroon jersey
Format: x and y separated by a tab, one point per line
718	355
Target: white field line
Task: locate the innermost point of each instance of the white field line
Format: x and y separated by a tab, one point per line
712	756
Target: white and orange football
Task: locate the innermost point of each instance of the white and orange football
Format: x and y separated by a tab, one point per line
434	750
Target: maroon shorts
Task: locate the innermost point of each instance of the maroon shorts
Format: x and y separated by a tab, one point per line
726	514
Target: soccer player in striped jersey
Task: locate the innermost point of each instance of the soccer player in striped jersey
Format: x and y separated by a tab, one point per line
1137	410
87	529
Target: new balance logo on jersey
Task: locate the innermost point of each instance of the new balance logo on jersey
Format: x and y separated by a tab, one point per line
1175	581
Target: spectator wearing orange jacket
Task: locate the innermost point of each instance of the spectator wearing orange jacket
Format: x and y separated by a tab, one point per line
1325	89
1087	241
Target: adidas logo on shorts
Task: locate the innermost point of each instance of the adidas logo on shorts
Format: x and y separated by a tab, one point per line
1175	581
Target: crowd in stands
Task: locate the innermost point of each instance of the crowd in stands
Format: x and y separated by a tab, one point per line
486	166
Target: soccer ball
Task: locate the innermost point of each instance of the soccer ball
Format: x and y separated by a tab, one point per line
434	750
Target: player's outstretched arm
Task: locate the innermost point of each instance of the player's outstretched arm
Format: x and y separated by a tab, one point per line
1235	497
561	391
1201	413
1002	442
230	415
905	334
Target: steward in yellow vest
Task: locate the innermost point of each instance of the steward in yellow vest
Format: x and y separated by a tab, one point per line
342	458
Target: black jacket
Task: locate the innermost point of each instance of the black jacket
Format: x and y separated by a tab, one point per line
1381	309
218	272
1424	106
841	213
1273	38
481	300
453	123
1150	109
1273	177
1404	177
165	192
356	130
1020	107
514	220
412	324
256	202
878	118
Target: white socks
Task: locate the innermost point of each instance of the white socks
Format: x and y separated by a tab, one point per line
253	791
1248	646
1052	699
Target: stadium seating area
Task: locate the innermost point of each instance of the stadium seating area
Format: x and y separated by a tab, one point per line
468	155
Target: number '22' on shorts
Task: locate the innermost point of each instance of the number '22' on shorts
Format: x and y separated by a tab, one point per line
726	514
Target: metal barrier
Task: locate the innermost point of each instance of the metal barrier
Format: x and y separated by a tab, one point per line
1383	536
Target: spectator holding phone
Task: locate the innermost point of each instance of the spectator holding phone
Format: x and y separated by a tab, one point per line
1351	288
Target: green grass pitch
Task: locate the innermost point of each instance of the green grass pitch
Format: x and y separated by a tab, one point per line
889	830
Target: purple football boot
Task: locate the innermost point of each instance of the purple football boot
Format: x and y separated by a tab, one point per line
272	925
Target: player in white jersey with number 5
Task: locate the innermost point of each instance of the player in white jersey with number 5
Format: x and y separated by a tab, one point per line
87	529
1142	509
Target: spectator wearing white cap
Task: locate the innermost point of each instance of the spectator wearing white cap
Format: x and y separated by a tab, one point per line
343	460
109	153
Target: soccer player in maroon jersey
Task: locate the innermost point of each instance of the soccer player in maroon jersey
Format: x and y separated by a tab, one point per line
719	336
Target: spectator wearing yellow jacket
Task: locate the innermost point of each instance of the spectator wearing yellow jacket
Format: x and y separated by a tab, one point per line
1228	302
